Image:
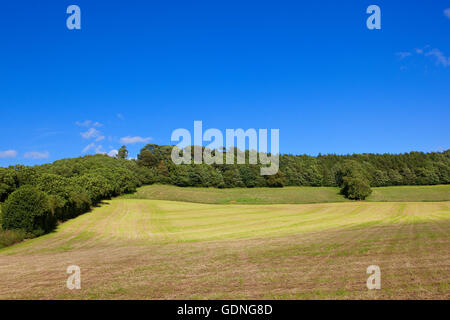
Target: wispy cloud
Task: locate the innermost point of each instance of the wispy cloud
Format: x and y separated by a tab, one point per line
132	140
37	155
89	123
403	55
88	147
8	154
120	116
437	54
447	12
91	133
97	148
440	57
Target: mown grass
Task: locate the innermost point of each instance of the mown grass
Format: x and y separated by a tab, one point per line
411	193
239	195
287	195
155	249
159	221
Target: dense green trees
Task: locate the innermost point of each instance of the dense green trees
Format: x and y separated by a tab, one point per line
28	209
414	168
8	183
65	188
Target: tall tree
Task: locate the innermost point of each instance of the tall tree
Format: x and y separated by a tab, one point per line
123	153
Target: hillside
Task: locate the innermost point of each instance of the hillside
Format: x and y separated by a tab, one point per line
153	249
286	195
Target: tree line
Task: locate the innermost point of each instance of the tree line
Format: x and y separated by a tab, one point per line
413	168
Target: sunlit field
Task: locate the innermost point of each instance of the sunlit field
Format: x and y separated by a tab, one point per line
287	194
156	249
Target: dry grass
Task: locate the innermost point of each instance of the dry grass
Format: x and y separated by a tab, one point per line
144	249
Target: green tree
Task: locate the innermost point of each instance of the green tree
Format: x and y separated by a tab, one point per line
232	178
8	182
28	209
355	188
122	153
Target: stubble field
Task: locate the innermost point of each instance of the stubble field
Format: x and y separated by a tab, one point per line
157	249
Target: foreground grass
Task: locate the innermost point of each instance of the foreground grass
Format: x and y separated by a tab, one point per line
153	249
287	195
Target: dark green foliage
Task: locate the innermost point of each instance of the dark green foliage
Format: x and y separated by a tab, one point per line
276	181
122	153
67	200
232	178
72	186
355	188
28	209
97	187
414	168
8	182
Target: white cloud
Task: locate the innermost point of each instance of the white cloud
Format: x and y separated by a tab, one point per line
120	116
100	138
36	155
447	12
403	55
132	140
89	123
88	147
8	154
113	153
91	133
440	57
98	149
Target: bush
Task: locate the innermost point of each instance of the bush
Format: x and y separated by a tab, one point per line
96	186
10	237
28	209
355	188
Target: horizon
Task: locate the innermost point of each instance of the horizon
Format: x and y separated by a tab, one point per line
133	74
281	154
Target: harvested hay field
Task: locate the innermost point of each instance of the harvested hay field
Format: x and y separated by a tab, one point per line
155	249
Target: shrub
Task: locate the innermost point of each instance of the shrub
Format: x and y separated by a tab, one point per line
276	181
28	209
355	188
10	237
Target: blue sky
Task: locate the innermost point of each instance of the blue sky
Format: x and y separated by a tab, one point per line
137	70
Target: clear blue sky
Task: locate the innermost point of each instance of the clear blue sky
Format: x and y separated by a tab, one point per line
144	68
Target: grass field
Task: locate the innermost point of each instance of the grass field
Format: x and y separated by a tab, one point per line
156	249
287	195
